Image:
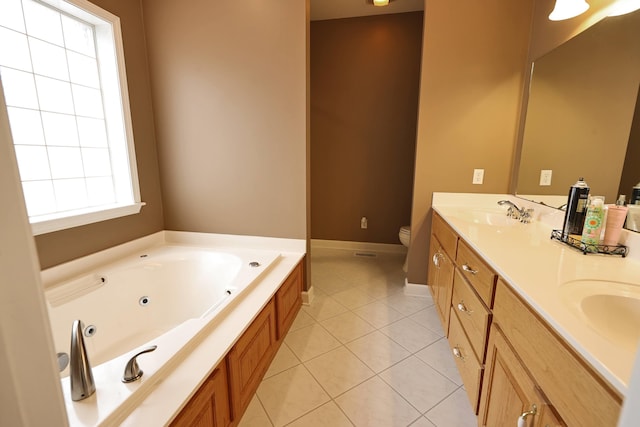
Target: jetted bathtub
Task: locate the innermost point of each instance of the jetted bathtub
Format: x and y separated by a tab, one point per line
166	296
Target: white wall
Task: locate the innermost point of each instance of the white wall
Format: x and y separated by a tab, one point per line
30	390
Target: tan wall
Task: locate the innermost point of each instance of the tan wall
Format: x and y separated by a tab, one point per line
365	75
62	246
583	95
473	66
229	91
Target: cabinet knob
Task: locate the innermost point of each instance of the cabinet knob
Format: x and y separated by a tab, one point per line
435	260
522	419
463	308
457	353
468	269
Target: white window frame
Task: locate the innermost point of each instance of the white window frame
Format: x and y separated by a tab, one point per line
110	54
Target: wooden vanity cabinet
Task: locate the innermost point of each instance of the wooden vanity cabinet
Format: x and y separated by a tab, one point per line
209	407
576	391
509	394
443	246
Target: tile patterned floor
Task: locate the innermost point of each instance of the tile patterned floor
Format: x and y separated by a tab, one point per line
362	354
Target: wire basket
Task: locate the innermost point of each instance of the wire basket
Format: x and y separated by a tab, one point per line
585	248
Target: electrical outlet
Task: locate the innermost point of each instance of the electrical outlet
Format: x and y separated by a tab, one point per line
364	223
545	177
478	176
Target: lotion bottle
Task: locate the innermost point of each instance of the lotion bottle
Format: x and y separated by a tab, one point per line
615	220
593	223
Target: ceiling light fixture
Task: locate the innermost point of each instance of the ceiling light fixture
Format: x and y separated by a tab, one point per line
566	9
379	2
622	7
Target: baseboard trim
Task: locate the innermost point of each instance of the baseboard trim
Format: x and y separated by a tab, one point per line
415	289
308	296
358	246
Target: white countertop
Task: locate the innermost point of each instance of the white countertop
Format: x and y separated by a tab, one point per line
538	269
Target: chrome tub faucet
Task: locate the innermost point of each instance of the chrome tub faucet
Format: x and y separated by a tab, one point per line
80	374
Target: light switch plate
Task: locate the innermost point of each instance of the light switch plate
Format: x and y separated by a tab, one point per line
545	177
478	176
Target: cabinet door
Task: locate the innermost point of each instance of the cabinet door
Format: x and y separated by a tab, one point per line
289	300
250	357
441	282
209	407
509	396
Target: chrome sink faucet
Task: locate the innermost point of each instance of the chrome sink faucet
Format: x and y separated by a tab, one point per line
80	374
523	215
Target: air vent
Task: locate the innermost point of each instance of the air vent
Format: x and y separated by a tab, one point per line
365	254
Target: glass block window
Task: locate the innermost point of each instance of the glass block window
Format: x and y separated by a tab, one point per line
62	72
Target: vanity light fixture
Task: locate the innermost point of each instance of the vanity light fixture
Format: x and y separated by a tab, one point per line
379	2
566	9
622	7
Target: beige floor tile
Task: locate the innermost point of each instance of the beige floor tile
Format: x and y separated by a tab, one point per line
328	415
375	403
338	371
331	284
302	319
291	394
311	341
378	351
255	416
347	327
423	422
410	335
354	298
429	319
408	304
323	307
283	360
418	383
378	314
381	287
454	411
438	355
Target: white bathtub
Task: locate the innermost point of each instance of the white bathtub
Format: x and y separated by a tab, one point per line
133	302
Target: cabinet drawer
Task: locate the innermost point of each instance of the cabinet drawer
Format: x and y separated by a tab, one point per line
479	274
579	395
468	365
473	315
445	235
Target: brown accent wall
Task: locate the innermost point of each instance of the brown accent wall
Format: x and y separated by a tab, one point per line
473	66
631	172
229	92
61	246
365	76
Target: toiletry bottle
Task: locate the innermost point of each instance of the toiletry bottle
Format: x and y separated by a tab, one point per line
615	219
635	195
576	209
593	223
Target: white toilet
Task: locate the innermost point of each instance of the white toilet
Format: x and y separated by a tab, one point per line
405	239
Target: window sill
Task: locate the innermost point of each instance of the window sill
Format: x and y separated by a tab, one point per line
50	223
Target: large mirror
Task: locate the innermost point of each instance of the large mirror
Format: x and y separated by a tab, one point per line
583	115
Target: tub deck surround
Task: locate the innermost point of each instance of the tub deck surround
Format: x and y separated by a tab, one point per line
186	354
539	268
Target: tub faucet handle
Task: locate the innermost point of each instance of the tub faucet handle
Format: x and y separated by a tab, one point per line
132	371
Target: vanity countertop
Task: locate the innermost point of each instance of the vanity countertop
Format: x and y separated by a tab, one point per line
557	281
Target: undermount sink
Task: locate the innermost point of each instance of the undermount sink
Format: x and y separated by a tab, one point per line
485	216
611	308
